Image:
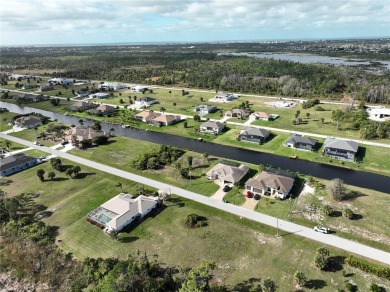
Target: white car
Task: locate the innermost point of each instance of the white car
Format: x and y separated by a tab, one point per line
321	229
36	143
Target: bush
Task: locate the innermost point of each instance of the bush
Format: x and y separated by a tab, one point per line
195	221
368	268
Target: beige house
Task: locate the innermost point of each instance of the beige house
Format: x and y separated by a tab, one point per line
121	210
146	116
268	183
165	120
103	109
227	173
78	134
83	105
238	112
262	116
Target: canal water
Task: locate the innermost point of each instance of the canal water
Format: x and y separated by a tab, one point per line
352	177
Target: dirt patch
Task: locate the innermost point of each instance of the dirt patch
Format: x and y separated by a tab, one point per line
268	239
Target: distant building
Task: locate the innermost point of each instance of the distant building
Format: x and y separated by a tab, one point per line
15	163
262	116
122	210
205	109
100	95
29	86
165	120
238	113
61	81
46	87
113	86
146	116
224	97
103	109
82	106
145	102
77	134
379	114
139	88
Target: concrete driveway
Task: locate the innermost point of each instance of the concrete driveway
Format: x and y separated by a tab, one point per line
219	194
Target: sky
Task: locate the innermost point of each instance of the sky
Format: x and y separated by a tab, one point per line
34	22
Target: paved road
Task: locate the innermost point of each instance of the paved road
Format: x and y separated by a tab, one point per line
285	227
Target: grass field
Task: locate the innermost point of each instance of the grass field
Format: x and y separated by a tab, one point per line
5	118
242	249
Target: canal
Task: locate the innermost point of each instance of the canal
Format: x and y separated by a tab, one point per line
357	178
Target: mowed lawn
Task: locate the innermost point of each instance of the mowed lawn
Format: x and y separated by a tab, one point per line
121	151
241	248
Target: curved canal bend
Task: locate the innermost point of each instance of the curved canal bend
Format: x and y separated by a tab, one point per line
357	178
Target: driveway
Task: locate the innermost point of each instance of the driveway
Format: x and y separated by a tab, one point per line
250	203
219	194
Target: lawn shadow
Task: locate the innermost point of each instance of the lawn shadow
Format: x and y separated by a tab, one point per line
361	153
5	182
270	137
335	264
176	202
335	214
128	239
354	194
83	175
59	178
252	284
315	284
357	217
317	146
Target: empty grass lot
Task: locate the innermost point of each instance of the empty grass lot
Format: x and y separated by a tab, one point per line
242	249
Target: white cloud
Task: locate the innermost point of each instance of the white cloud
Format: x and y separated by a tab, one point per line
148	20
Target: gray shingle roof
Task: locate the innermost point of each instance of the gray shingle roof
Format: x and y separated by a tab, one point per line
15	160
254	131
212	124
346	145
295	139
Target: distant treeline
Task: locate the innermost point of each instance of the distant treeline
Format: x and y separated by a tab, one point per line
206	70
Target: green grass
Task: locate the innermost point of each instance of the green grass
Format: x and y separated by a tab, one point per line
5	118
235	197
241	248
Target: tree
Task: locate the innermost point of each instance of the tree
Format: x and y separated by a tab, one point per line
196	118
76	170
322	120
111	131
119	185
307	115
81	122
40	172
69	172
300	278
185	125
299	121
347	213
320	262
197	279
162	109
113	233
269	285
326	210
376	288
322	251
294	122
206	157
337	116
337	189
97	126
189	160
51	175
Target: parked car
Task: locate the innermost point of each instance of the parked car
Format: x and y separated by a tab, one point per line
256	197
36	143
321	229
64	143
249	194
226	188
42	157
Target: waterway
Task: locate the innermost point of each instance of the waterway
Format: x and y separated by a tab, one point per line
308	58
352	177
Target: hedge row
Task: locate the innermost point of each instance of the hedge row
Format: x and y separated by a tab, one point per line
368	268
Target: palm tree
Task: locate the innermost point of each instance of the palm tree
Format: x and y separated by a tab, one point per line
206	156
81	122
300	278
51	175
162	109
111	130
40	172
8	144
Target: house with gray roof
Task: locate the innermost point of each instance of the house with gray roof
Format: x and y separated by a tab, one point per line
301	142
254	135
227	173
204	109
82	106
340	149
103	109
211	127
238	113
122	210
28	122
271	184
145	101
15	163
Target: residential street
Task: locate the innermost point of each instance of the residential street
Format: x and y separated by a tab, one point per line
285	228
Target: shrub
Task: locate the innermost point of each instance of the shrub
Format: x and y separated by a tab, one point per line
195	221
368	268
